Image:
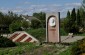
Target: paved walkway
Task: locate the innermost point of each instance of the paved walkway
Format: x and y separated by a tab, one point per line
67	39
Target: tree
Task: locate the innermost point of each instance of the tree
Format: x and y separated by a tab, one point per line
66	22
78	22
83	4
42	17
82	15
73	16
1	18
78	19
68	15
69	22
35	23
15	26
25	24
72	22
7	19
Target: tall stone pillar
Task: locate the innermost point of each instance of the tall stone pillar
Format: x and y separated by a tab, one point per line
52	27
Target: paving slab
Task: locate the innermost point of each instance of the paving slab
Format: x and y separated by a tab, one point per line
67	39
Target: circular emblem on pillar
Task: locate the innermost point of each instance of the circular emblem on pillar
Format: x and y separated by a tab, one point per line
52	22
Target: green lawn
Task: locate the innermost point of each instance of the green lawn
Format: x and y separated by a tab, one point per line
30	49
66	52
18	50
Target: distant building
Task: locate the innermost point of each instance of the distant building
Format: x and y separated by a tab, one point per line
28	18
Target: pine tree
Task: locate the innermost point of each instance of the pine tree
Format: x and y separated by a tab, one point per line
82	14
68	14
72	21
83	4
78	19
66	22
73	16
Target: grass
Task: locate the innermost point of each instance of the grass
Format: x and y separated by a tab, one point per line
20	49
83	34
30	49
66	52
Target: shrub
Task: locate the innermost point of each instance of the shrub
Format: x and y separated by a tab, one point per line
36	23
75	49
40	33
62	32
25	24
78	47
15	26
4	42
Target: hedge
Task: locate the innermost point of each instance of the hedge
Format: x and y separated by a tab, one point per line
4	42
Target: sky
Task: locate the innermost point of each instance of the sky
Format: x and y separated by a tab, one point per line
28	7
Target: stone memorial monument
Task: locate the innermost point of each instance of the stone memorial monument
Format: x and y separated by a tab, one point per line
52	27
